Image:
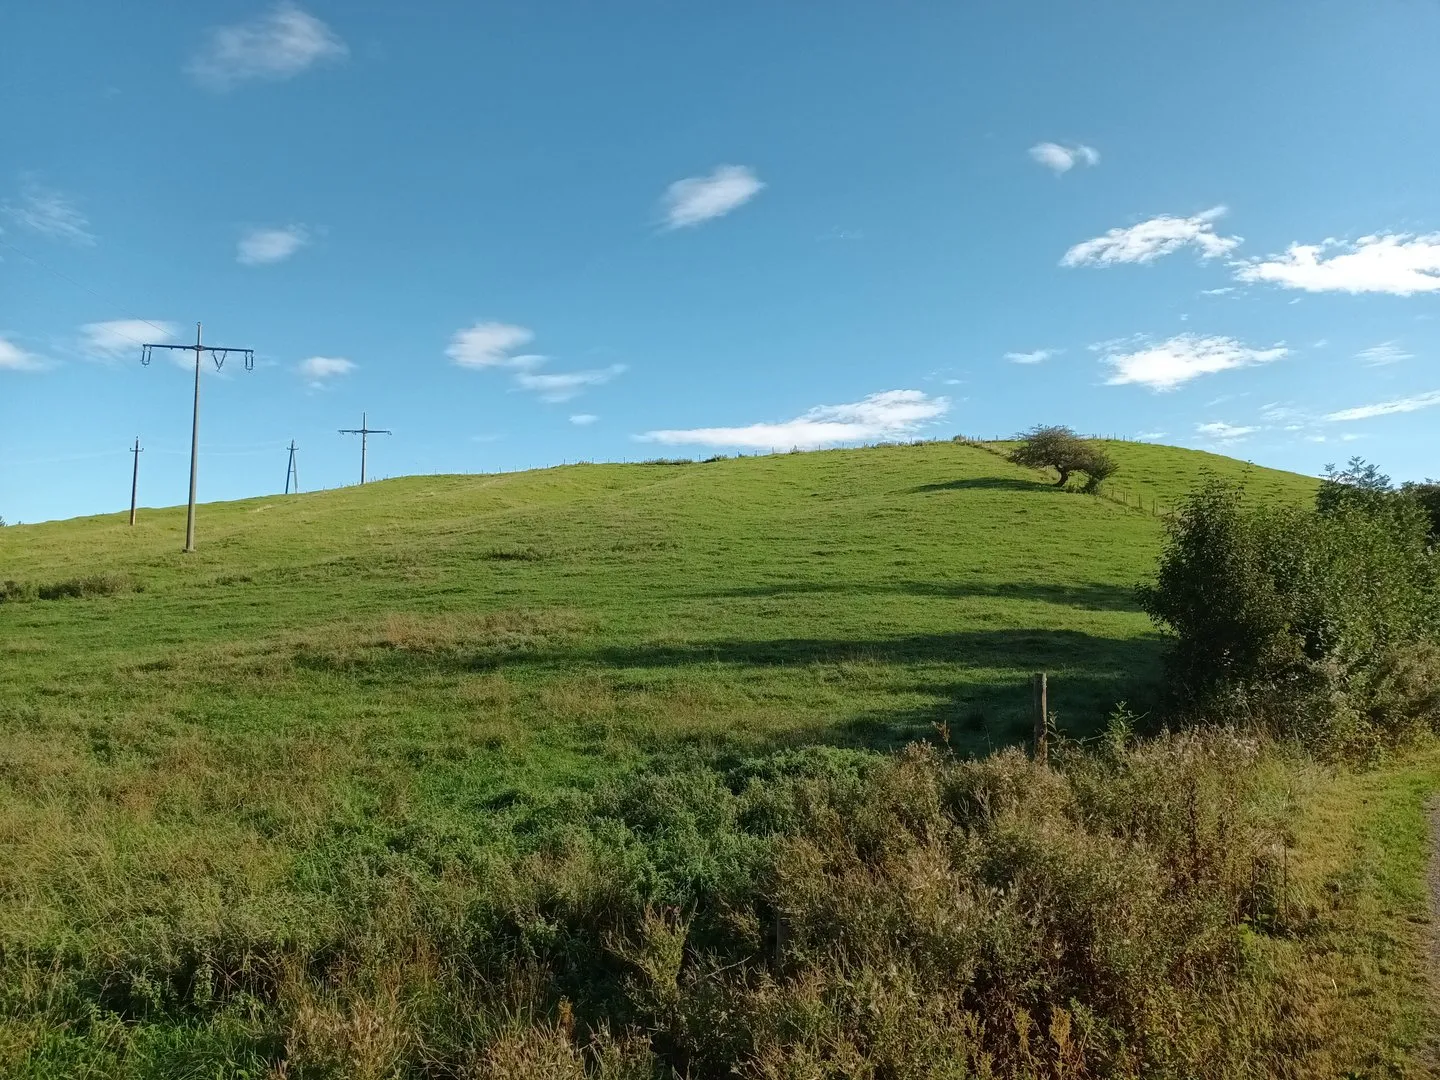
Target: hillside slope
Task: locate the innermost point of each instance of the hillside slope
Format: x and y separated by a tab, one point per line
494	632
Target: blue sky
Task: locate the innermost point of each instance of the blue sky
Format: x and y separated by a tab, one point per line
518	234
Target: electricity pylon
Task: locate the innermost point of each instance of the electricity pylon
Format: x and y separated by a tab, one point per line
135	478
364	431
218	354
291	471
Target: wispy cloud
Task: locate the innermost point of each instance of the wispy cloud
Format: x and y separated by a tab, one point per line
1224	432
1278	412
495	344
1061	159
1223	291
316	369
275	46
1151	239
583	419
491	344
259	247
1039	356
1397	263
1167	364
1387	352
564	385
50	213
1387	408
888	415
14	358
107	340
700	198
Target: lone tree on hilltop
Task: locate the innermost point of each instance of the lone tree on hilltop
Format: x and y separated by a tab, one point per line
1055	447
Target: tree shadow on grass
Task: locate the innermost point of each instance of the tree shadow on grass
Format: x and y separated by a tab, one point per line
1090	596
975	682
984	483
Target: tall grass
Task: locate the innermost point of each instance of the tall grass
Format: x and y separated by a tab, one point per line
816	913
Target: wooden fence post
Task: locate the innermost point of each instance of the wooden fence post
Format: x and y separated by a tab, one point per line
1042	713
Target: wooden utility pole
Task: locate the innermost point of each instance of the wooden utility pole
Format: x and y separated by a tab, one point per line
135	478
219	355
1042	718
292	471
364	431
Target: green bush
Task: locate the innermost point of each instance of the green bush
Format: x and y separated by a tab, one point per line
1317	623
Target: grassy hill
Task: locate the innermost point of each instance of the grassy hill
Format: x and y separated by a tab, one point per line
489	634
353	713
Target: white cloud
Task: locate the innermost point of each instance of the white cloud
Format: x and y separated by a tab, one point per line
1151	239
700	198
1168	364
272	47
1387	352
564	385
1387	408
49	213
1276	412
1218	429
1061	159
14	358
888	415
1036	357
1218	292
316	369
583	419
1152	434
1399	264
259	247
107	340
491	344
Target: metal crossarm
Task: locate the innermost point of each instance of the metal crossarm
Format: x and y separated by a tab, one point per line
364	431
218	355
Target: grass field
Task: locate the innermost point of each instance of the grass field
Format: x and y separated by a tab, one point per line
401	674
475	640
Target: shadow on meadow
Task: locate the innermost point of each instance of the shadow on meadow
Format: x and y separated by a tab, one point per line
1088	596
983	483
975	683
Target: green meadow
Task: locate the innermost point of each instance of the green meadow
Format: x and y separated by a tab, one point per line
485	637
231	753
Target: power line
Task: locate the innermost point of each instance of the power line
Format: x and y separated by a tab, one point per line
85	288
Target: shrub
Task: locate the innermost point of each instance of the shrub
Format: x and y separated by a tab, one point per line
90	585
1317	623
1098	467
1359	486
815	913
1059	448
1427	497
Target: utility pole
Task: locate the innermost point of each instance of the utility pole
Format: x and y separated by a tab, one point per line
219	356
135	478
364	431
292	471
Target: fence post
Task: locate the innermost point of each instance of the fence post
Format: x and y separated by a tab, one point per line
1042	712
